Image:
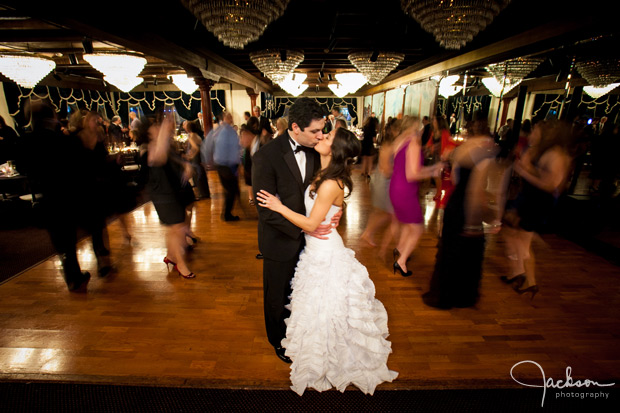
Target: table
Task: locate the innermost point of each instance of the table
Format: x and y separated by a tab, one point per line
12	184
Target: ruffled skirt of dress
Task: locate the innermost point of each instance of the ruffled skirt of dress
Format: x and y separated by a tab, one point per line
336	334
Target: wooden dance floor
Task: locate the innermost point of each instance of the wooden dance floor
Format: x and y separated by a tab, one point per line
146	326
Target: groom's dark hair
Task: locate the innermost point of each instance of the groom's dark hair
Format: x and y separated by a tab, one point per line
303	112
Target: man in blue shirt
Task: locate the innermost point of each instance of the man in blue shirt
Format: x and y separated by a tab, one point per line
226	157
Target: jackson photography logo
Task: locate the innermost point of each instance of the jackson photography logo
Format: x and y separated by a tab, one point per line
561	385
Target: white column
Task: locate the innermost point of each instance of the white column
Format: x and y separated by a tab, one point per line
493	112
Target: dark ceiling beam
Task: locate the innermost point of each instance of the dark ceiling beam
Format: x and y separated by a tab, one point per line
52	35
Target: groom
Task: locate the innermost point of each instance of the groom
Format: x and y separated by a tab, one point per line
285	167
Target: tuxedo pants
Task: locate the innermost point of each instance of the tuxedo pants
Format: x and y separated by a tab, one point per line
277	278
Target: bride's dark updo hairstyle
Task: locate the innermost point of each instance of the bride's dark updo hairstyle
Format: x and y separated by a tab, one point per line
345	147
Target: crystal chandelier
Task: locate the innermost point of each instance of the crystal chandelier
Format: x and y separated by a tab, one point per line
116	65
493	86
453	22
375	70
276	64
119	69
597	92
510	73
351	81
293	83
347	83
600	72
124	83
338	89
236	22
184	83
25	70
447	87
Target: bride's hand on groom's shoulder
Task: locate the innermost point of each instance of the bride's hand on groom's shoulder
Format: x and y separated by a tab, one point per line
266	200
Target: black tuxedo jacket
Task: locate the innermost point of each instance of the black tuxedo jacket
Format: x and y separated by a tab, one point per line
275	170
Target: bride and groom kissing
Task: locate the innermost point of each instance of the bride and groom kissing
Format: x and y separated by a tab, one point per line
321	314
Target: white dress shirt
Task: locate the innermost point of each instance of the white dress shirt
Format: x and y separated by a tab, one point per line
300	157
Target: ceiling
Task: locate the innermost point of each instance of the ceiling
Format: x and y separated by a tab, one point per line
326	31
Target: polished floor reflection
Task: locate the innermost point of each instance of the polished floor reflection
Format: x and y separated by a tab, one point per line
145	325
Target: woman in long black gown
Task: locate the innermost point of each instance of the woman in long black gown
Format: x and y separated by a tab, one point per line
458	267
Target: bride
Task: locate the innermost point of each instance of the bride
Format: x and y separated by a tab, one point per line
336	334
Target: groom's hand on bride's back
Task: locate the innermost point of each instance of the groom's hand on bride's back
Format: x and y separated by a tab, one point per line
323	230
336	219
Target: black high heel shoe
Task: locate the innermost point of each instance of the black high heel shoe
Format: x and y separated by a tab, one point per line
533	289
396	254
400	270
190	275
519	279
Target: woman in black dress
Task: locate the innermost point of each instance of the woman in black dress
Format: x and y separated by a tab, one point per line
458	266
192	154
370	133
544	170
170	191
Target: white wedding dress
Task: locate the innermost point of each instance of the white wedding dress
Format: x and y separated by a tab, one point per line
336	334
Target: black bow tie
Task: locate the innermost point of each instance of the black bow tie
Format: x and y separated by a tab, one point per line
298	148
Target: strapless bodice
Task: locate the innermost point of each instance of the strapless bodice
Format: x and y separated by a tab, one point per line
334	240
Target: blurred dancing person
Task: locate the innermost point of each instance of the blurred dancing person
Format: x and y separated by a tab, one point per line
51	166
192	154
379	188
544	170
281	127
169	188
458	266
446	186
440	144
227	156
370	133
404	189
96	188
250	143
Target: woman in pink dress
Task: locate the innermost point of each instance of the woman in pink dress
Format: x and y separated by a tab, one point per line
404	188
